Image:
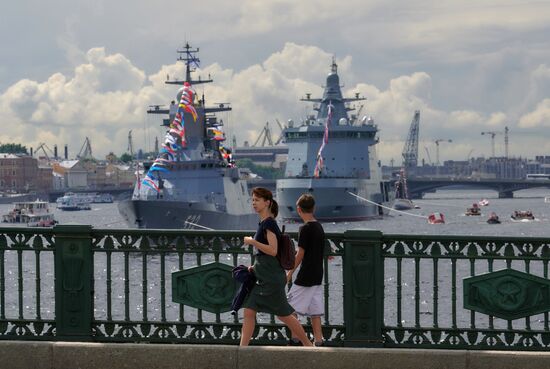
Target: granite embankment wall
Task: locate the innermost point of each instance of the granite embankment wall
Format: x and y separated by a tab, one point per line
68	355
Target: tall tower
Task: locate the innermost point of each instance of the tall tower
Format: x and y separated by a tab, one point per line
410	150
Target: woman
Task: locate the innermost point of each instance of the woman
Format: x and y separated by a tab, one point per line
268	295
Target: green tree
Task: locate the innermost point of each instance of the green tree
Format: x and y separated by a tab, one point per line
264	172
126	158
12	148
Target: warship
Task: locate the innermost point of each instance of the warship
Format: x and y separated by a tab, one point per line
332	156
203	189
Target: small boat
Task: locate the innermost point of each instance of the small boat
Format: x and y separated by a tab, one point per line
103	198
32	213
522	215
547	199
473	211
493	219
73	202
403	204
436	218
483	202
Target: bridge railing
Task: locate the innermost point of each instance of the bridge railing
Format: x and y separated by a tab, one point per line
86	284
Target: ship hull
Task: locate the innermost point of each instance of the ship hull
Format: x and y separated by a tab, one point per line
333	201
182	215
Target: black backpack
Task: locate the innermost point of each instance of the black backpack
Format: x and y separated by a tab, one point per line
286	252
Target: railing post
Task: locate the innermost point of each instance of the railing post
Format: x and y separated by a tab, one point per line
73	282
363	288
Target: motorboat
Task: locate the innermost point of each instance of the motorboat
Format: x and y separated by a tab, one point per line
74	201
103	198
436	218
473	211
32	213
493	219
483	202
522	215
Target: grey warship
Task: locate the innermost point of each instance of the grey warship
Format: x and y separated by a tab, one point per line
199	190
332	157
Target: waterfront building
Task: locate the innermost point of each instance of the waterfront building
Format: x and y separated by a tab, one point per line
22	173
73	172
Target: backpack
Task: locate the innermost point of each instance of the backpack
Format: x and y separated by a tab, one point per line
286	252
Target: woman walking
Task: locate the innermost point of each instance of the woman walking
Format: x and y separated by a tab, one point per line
268	295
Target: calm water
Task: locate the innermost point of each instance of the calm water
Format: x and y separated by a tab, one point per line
451	203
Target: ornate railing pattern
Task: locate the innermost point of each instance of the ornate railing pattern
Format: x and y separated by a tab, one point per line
427	280
81	283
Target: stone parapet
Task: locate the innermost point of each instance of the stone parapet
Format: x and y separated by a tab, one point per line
69	355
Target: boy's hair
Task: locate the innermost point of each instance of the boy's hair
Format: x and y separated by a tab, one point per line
306	202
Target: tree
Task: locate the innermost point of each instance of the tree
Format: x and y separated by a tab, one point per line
262	171
126	158
12	148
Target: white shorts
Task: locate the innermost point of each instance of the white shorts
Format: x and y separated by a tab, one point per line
307	301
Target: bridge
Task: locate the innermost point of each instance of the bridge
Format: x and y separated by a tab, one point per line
418	186
391	300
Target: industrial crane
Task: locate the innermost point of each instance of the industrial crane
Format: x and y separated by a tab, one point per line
493	134
45	147
410	150
437	141
130	144
266	135
281	136
86	150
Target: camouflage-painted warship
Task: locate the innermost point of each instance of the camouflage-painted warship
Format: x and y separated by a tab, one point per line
332	156
203	190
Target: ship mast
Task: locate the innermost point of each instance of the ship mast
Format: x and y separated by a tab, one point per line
333	95
190	59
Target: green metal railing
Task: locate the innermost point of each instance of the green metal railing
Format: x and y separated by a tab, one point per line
417	291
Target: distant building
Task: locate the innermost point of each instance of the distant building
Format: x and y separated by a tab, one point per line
73	173
21	173
120	175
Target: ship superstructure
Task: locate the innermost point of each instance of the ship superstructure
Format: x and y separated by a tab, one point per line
200	188
331	155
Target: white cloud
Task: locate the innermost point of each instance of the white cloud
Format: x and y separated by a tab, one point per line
540	117
107	95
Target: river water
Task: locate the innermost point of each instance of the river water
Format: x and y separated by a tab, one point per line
452	203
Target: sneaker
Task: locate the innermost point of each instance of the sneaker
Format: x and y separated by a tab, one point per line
319	344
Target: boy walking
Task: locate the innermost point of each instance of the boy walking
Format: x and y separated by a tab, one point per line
306	294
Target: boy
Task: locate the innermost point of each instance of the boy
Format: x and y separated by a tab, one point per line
306	294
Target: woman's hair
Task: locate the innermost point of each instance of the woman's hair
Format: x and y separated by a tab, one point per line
265	194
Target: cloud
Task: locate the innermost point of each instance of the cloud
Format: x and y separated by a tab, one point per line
540	117
107	95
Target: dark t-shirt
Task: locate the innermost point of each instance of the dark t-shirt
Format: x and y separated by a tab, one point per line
261	232
311	238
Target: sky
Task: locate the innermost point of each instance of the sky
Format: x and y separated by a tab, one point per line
76	69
